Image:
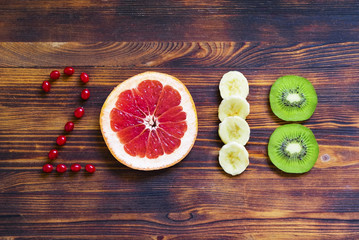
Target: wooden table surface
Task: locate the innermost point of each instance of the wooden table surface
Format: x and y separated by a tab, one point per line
196	41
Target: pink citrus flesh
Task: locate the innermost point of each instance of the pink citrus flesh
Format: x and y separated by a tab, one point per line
152	119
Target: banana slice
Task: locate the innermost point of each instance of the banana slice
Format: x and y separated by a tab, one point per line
233	106
233	83
233	158
234	129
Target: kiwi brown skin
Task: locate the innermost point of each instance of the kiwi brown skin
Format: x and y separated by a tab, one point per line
299	109
296	134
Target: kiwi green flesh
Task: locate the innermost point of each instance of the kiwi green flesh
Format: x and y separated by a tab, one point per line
293	148
293	98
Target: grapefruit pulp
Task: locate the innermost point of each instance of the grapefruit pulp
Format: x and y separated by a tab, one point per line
149	121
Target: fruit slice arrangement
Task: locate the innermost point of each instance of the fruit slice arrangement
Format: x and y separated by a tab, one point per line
233	130
149	121
292	147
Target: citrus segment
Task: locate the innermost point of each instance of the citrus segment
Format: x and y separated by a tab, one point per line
172	115
176	129
169	142
121	120
169	98
154	147
126	102
130	133
137	146
141	102
149	121
150	90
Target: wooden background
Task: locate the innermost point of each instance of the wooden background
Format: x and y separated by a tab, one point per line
196	41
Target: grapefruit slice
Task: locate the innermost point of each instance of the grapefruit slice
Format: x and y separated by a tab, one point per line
149	121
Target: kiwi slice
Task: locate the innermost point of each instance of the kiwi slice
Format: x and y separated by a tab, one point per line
293	98
293	148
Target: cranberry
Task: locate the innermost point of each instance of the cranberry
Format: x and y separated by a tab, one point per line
90	168
84	77
47	168
69	126
55	75
61	168
69	71
46	86
85	94
61	140
53	154
75	167
79	112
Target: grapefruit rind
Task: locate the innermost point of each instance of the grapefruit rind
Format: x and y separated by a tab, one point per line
113	142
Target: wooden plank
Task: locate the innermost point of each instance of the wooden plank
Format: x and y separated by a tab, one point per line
196	41
179	20
151	7
240	55
141	206
133	200
194	199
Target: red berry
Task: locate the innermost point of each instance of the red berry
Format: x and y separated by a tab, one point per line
61	168
90	168
84	77
85	94
61	140
46	86
69	71
79	112
69	126
75	167
47	168
53	154
55	75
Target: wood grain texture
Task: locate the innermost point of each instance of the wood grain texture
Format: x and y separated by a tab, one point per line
193	199
254	55
196	41
185	20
